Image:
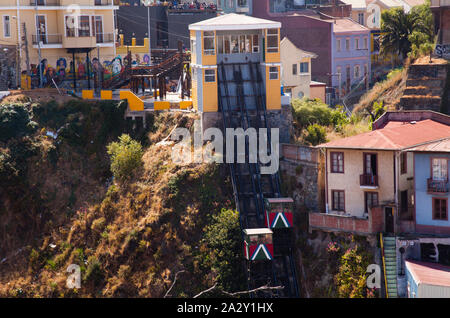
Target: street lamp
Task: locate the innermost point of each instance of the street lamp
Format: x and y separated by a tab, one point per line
147	3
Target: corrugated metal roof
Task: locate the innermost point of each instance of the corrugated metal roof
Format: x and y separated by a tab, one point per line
437	146
347	25
394	136
429	273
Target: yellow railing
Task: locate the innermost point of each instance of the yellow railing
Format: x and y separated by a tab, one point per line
384	265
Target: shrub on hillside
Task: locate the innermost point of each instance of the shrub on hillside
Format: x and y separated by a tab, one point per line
316	135
15	122
126	157
313	111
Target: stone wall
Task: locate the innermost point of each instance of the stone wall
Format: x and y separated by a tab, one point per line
7	67
300	179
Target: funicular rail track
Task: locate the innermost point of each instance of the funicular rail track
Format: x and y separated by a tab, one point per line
251	188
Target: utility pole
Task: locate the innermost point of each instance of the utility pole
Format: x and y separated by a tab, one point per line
38	28
147	3
27	55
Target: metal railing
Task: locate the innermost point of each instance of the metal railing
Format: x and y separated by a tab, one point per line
104	37
437	186
47	39
440	3
368	180
45	3
103	2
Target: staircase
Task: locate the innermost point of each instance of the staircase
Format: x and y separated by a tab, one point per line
424	87
390	265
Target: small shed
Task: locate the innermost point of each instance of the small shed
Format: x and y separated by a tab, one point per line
427	280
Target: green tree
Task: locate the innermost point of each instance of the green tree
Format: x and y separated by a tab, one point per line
401	30
126	157
351	278
224	240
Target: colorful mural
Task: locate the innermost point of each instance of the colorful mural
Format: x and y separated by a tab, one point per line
65	68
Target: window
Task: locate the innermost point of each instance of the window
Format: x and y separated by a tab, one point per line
84	28
220	44
337	162
356	71
357	43
439	169
370	164
273	73
337	200
248	44
230	4
338	45
365	43
70	26
226	44
255	43
361	18
208	43
234	44
272	40
440	206
6	26
347	44
370	200
242	3
242	44
404	201
404	163
294	69
304	67
210	76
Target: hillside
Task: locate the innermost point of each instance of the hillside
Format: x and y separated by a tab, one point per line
130	239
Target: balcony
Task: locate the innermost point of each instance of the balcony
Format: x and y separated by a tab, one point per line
48	3
437	187
439	3
47	39
368	180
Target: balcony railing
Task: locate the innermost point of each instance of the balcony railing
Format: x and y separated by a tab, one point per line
49	3
368	180
104	38
435	186
103	2
47	39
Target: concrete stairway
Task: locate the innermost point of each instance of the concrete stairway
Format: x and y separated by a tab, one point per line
424	87
390	257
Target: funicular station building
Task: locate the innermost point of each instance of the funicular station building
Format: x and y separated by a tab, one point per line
235	62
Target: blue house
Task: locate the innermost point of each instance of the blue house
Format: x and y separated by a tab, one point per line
432	187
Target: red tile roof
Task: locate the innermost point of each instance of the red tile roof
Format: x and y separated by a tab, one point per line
394	136
429	273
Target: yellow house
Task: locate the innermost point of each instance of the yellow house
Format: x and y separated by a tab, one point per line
59	34
296	69
232	44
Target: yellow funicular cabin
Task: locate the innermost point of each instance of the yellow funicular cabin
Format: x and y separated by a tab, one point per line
258	245
279	213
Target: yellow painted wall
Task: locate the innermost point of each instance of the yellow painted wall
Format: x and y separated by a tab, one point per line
350	183
194	94
273	91
193	49
134	102
210	95
105	94
273	57
123	50
209	59
87	94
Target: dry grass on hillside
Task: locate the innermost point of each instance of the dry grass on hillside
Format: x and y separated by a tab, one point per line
133	240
